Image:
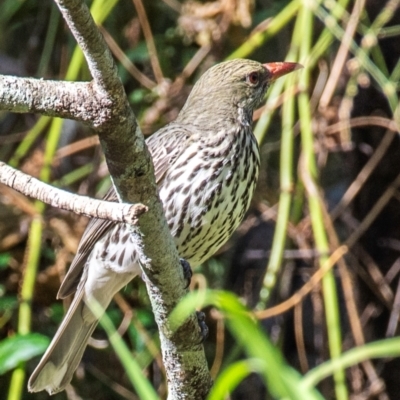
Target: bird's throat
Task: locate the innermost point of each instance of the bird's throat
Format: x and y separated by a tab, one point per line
245	117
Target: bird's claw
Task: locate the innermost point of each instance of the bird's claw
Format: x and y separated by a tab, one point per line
201	319
187	271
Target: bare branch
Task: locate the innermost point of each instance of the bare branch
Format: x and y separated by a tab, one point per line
98	56
127	157
82	205
105	107
73	100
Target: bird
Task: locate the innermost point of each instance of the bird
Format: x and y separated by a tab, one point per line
206	165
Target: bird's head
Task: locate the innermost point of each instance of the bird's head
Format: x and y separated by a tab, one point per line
235	85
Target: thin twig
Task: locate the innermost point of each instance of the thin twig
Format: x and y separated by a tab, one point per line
363	121
75	147
220	342
305	289
299	337
350	301
126	62
144	22
337	67
364	174
374	212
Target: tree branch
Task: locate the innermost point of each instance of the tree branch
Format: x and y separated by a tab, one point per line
132	172
82	205
73	100
98	56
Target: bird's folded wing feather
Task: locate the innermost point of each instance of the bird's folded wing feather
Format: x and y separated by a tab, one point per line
165	146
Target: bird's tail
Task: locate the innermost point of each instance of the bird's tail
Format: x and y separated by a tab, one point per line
62	357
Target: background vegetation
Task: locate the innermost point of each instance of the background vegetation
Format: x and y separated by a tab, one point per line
317	257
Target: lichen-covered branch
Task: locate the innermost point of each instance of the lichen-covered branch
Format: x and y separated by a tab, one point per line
73	100
82	205
103	105
98	56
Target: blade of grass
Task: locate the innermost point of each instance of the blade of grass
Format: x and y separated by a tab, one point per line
281	380
230	378
24	147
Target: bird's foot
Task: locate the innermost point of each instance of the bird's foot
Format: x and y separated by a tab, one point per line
187	271
201	319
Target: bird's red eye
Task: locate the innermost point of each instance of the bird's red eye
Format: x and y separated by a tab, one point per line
253	78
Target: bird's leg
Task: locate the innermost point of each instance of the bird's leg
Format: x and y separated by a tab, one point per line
187	271
201	319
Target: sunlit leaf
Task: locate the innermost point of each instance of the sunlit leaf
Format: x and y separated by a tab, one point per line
17	349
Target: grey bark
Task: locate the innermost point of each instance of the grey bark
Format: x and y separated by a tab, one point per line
103	105
82	205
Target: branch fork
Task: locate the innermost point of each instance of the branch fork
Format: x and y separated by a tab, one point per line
103	105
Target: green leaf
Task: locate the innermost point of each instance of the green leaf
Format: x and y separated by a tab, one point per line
8	303
4	260
230	378
19	348
283	382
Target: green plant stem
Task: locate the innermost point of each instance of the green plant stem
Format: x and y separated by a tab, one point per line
388	87
326	37
50	39
261	128
51	146
131	366
17	383
386	14
324	41
76	175
32	261
286	170
24	147
25	311
389	31
285	198
309	175
322	44
265	119
382	348
369	43
279	22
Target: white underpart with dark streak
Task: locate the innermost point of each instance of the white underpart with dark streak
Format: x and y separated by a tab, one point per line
216	196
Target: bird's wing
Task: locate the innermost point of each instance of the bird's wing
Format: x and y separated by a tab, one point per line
95	229
165	146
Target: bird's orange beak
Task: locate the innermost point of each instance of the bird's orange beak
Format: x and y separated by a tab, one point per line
278	69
